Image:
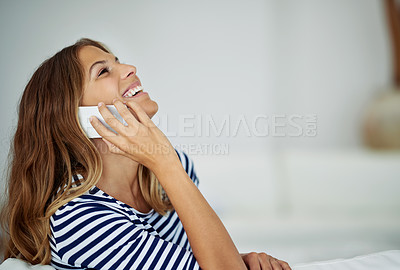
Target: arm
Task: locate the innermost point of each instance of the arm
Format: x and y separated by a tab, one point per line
210	242
143	142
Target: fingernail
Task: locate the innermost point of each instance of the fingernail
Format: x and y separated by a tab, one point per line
115	99
100	104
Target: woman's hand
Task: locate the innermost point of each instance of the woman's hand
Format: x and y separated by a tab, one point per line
262	261
141	140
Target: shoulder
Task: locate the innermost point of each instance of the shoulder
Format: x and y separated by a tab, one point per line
87	206
188	165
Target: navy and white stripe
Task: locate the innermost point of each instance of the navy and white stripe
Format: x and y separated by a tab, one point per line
97	231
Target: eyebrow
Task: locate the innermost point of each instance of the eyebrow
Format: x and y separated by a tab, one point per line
100	62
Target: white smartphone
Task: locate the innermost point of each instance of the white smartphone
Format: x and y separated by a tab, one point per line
84	113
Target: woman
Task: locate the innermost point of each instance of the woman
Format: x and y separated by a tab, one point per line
113	202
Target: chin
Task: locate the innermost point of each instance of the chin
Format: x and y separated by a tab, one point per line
151	108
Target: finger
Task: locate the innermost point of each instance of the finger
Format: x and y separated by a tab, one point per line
100	128
254	265
251	261
110	119
120	149
264	261
125	113
141	114
284	265
275	264
113	148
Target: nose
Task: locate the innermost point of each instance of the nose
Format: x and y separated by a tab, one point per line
127	71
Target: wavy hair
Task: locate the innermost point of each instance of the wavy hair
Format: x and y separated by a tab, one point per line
50	147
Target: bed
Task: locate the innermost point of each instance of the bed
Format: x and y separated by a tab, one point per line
386	260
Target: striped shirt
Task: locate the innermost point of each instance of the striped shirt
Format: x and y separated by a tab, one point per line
97	231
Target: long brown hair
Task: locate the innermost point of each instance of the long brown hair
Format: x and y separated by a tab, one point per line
48	148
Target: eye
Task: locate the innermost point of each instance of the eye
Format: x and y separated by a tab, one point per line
102	71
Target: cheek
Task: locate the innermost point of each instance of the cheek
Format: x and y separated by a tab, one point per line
102	91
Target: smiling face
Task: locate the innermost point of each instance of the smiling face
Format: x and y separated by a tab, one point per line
105	79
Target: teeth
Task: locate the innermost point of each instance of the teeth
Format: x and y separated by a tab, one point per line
132	92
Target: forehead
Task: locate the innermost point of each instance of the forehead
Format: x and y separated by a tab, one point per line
90	54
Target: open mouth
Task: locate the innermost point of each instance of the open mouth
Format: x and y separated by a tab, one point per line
133	91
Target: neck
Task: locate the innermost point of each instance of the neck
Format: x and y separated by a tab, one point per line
119	178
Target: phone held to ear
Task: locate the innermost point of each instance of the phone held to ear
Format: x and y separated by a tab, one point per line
84	113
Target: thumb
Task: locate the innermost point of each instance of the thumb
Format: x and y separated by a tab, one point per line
113	148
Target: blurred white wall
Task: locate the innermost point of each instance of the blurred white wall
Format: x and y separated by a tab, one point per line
242	61
333	57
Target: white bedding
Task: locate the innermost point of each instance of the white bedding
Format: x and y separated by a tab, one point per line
16	264
386	260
